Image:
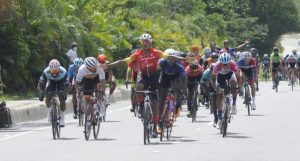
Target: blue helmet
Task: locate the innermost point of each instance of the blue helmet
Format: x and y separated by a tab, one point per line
225	58
78	62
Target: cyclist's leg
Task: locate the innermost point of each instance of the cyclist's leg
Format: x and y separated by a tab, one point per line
221	81
49	91
164	85
190	92
74	100
231	77
88	87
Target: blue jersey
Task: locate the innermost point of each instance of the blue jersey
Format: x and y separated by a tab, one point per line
72	72
47	75
175	70
206	76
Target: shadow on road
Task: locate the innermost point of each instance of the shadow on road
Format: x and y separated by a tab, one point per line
237	136
29	124
113	121
102	139
64	138
256	115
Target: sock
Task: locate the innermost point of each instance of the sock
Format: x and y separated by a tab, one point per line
155	119
253	99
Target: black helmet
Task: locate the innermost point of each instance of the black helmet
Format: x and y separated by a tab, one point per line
74	44
193	65
275	49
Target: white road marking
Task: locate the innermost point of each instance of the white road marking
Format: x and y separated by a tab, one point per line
7	137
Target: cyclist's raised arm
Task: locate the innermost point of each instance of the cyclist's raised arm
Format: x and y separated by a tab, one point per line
242	45
116	64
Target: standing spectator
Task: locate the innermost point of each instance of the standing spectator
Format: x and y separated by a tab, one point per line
71	55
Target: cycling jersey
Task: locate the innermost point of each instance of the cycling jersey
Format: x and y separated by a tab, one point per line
274	58
147	64
47	75
242	64
206	76
266	61
175	70
194	72
291	61
232	67
72	72
83	72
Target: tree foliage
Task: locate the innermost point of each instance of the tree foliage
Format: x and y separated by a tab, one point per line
33	32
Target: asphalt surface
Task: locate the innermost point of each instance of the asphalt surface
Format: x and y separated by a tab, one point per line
270	133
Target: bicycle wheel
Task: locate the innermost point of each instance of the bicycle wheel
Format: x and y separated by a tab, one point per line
147	120
96	127
135	106
80	112
58	120
170	123
247	99
54	121
88	122
194	108
225	121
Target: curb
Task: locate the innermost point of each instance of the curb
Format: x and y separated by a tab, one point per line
37	110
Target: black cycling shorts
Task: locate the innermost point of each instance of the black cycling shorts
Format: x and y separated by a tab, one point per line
89	85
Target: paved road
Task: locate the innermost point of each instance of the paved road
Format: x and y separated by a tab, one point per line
271	133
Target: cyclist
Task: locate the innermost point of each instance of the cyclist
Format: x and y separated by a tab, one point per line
171	73
206	86
109	76
291	65
203	61
231	50
247	65
194	73
214	48
225	70
266	63
147	60
255	55
275	63
90	75
53	80
72	72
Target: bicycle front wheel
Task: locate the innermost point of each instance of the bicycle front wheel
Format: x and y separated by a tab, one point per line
96	127
146	123
88	123
54	122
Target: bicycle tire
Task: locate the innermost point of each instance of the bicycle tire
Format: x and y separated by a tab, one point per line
58	131
88	123
80	117
247	99
96	128
225	121
135	105
146	120
193	110
54	121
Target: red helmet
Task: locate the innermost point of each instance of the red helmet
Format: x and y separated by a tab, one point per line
195	48
101	58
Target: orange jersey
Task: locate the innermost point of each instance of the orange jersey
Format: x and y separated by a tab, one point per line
148	65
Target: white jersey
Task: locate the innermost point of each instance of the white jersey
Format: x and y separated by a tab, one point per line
84	72
72	55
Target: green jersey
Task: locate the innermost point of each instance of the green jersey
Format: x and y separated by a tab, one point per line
275	59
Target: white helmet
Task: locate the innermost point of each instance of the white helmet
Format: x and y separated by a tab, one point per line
247	55
291	55
90	61
146	37
266	55
207	51
171	52
54	64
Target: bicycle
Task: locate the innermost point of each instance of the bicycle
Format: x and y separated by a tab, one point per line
55	116
92	115
80	108
147	116
194	103
247	99
227	111
266	74
135	105
276	79
293	79
168	115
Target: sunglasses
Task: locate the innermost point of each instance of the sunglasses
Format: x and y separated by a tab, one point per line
54	71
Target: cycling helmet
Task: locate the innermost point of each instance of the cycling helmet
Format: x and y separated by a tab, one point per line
101	58
78	62
90	61
294	51
266	55
193	65
54	64
215	55
207	51
225	58
275	49
146	37
182	54
195	48
170	52
291	55
190	54
253	50
247	55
